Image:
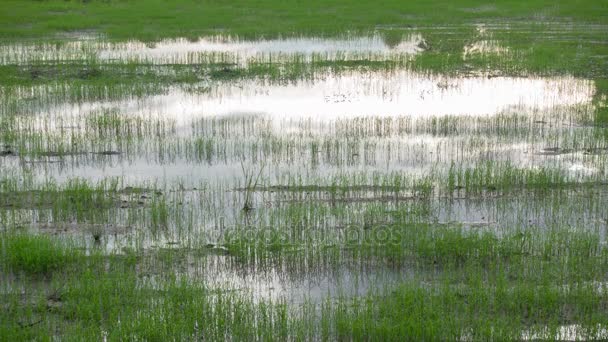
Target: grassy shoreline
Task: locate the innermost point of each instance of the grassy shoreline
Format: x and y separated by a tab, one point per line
155	19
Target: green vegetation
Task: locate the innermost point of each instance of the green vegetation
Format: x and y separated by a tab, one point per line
505	287
292	170
35	254
154	19
541	37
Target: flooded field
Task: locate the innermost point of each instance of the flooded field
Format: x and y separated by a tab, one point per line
300	188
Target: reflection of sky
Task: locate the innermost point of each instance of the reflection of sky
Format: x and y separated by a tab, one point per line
325	100
358	94
274	283
225	48
570	332
180	49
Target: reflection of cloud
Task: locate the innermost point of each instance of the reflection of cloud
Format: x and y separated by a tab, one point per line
401	93
484	47
572	332
578	169
181	48
218	48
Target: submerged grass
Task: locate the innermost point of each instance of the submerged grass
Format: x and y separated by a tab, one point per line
522	288
119	223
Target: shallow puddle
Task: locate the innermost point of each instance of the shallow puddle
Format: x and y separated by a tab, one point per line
571	332
348	122
217	49
357	94
294	283
181	51
337	149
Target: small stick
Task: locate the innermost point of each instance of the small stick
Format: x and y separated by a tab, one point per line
30	324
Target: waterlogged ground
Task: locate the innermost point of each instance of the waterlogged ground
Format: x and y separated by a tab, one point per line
325	179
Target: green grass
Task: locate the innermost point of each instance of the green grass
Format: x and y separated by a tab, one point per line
489	312
543	37
493	226
35	254
153	19
601	103
533	282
